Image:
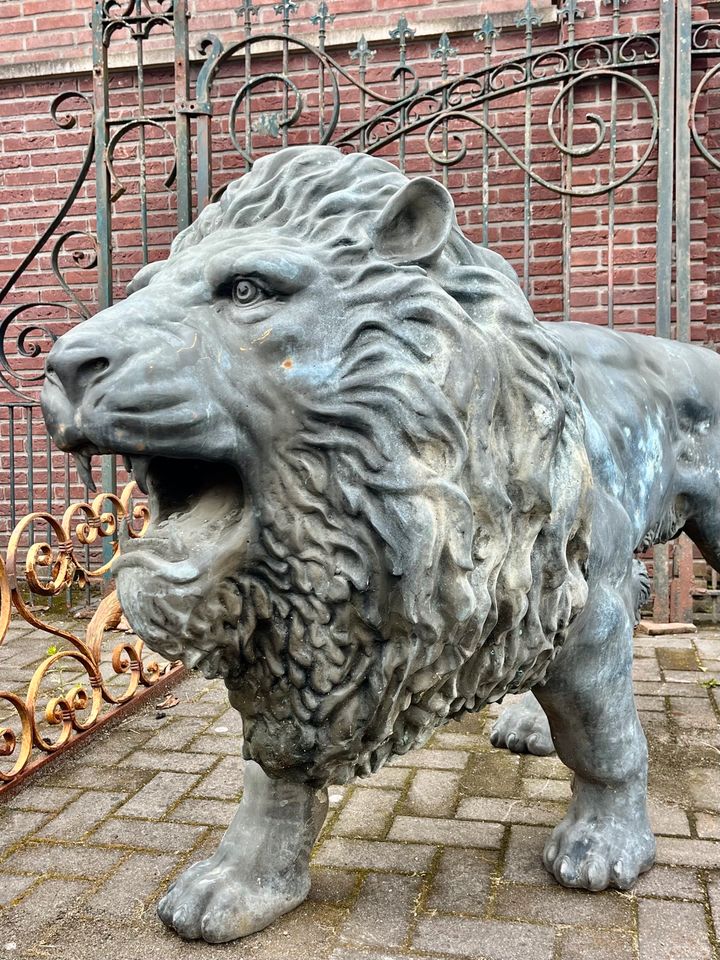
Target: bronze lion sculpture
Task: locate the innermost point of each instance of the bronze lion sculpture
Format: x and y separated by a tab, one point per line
384	495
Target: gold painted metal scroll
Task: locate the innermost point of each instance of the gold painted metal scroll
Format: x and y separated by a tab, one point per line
88	683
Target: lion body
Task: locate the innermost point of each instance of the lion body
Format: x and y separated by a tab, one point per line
412	539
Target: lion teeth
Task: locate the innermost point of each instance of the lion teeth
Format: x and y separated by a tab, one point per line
83	464
140	467
128	463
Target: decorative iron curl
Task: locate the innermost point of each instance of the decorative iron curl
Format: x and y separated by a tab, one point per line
706	37
83	261
446	158
117	187
697	137
25	347
217	55
46	571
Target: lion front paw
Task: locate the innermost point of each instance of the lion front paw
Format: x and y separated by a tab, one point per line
215	901
522	727
607	846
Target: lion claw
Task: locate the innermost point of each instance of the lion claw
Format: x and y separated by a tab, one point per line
522	727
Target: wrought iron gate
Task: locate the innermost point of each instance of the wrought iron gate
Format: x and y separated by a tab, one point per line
572	145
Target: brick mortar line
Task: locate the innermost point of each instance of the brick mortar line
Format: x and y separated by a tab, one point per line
703	878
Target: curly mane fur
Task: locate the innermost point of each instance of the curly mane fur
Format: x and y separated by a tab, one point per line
425	530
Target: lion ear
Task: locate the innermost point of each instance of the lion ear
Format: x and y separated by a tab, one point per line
415	223
144	275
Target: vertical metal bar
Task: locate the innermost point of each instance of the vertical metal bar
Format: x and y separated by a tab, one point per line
682	169
363	54
103	202
487	33
248	73
182	118
285	68
666	148
665	168
683	568
568	174
13	508
527	147
48	449
611	171
140	71
102	180
30	465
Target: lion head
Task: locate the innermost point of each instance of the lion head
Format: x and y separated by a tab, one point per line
364	458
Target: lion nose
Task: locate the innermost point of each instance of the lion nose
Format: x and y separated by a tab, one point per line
76	366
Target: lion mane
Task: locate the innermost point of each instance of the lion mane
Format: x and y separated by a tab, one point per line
425	531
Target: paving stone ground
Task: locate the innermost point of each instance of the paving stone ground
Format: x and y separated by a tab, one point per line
436	856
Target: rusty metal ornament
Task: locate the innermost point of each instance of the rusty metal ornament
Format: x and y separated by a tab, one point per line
46	568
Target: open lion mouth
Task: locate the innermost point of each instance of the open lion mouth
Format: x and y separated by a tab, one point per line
191	501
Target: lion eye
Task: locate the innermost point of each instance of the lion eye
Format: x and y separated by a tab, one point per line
246	292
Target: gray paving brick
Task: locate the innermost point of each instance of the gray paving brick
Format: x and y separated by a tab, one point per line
668	818
433	793
366	814
507	810
433	759
375	855
383	912
216	813
495	774
155	797
545	767
78	861
81	815
491	939
553	790
558	905
179	761
16	824
697	714
44	799
707	826
674	882
595	945
461	883
523	856
672	931
391	777
224	782
12	886
330	885
162	837
217	744
51	899
175	735
126	892
691	853
454	833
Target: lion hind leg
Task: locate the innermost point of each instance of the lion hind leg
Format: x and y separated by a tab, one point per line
605	838
261	868
522	727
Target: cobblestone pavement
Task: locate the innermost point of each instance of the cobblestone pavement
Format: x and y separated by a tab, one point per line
436	856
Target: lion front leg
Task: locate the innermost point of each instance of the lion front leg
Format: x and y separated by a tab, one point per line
260	869
605	839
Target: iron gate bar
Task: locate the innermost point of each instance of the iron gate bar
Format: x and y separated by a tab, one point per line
683	89
182	117
666	156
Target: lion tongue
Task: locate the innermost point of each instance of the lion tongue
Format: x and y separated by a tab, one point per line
140	467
